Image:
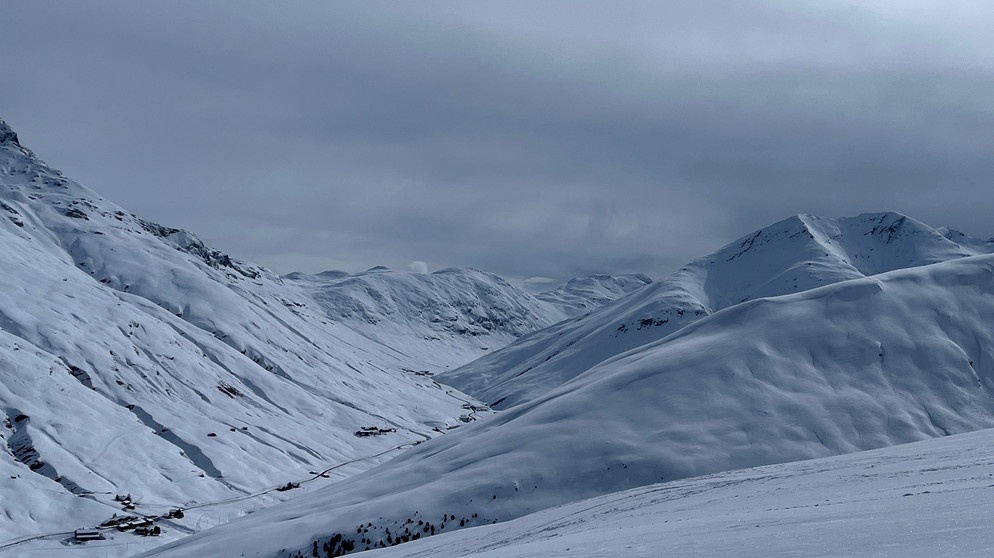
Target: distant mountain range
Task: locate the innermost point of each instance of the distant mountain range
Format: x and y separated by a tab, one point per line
451	316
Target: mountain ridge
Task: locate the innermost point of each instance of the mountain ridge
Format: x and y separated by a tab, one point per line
792	255
464	311
120	333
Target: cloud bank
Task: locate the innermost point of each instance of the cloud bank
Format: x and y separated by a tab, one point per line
530	140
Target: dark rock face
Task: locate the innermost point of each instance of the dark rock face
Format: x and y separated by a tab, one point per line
7	135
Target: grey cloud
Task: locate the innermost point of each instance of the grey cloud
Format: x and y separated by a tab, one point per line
525	139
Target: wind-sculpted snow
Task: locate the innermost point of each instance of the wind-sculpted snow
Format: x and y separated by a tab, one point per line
856	365
794	255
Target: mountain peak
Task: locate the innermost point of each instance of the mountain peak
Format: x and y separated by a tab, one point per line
8	135
882	216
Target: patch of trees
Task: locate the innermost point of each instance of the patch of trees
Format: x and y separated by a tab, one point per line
368	536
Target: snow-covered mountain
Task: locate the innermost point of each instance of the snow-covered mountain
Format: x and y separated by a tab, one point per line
143	372
855	365
583	294
794	255
453	316
135	359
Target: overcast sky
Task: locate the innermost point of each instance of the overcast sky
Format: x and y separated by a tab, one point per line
547	139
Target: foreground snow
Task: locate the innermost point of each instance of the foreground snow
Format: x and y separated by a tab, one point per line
929	498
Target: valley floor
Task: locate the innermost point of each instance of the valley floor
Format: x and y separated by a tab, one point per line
930	498
197	517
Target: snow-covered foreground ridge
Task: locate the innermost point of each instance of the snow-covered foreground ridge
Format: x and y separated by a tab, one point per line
928	498
861	364
794	255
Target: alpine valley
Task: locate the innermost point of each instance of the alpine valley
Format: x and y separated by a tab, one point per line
165	399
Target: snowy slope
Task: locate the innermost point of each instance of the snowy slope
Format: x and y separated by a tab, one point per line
442	319
135	359
794	255
583	294
973	244
453	316
852	366
928	498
